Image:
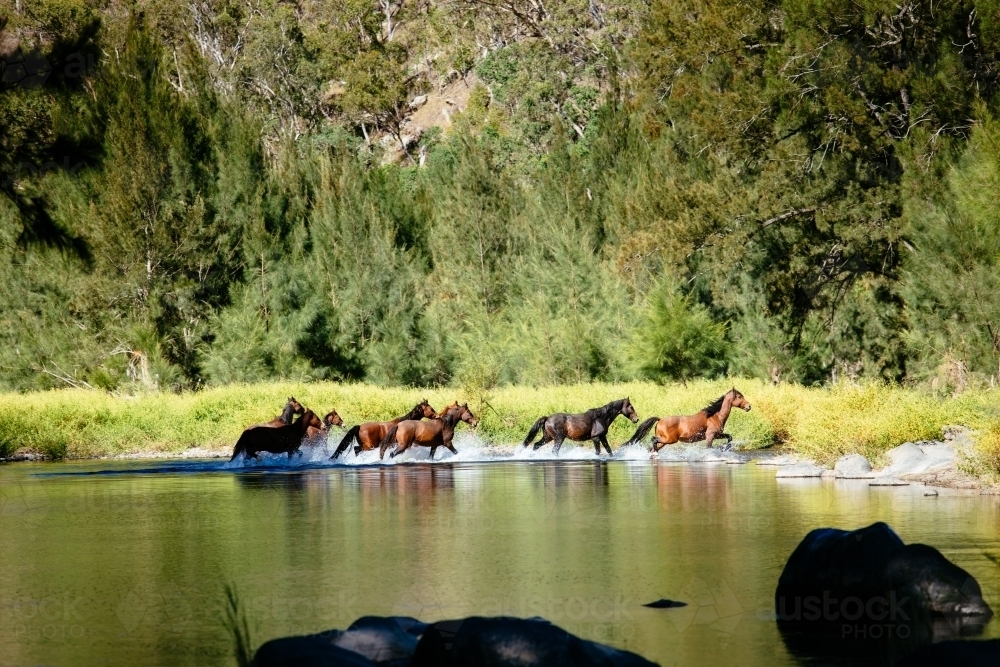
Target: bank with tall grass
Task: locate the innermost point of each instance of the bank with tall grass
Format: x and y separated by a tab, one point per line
821	423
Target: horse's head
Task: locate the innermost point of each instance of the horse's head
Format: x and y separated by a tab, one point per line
459	413
426	410
739	401
296	407
332	419
629	411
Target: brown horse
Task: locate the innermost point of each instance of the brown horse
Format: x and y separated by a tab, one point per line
437	432
331	419
292	408
706	425
276	440
590	425
370	434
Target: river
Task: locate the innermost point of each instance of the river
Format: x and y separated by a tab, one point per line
125	562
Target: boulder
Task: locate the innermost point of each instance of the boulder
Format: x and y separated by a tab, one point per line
853	466
307	651
870	574
382	640
510	642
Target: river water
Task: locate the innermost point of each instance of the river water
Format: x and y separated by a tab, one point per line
125	563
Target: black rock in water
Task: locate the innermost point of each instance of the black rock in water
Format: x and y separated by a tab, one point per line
665	604
866	597
307	651
510	642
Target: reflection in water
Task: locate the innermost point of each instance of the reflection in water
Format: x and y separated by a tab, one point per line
133	555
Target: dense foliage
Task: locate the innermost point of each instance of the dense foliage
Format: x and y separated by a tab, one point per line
481	193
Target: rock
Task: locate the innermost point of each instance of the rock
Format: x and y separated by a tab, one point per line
853	466
665	604
799	470
872	567
308	651
853	596
418	101
380	639
781	460
912	459
931	493
966	654
506	642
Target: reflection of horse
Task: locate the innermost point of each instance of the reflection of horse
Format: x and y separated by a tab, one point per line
707	425
591	425
292	408
276	440
437	432
370	434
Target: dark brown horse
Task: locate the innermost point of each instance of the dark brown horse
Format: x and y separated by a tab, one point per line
292	408
276	440
434	433
591	425
370	434
707	425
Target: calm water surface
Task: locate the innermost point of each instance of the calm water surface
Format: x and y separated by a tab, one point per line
124	563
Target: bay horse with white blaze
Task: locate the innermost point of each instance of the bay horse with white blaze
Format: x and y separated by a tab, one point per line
433	433
591	425
370	434
707	424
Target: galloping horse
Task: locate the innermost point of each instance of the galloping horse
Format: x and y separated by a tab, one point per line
331	419
276	440
370	434
706	425
292	408
437	432
591	425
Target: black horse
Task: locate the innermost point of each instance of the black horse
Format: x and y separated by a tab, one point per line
591	425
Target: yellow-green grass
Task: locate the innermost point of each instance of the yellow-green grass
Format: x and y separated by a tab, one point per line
821	423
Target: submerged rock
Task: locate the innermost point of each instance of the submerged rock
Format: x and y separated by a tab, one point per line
799	470
510	642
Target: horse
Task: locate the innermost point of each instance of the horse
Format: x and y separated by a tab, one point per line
276	440
331	419
292	408
591	425
437	432
370	434
707	425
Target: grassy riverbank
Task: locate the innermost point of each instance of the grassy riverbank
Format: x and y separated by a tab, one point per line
823	423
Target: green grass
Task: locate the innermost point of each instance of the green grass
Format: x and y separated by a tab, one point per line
822	423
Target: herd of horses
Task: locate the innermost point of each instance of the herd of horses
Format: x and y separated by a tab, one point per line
425	427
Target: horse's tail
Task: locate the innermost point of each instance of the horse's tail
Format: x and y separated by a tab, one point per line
387	440
535	428
240	447
643	430
351	435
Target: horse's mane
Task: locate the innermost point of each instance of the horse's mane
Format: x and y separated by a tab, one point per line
716	405
416	413
604	410
287	413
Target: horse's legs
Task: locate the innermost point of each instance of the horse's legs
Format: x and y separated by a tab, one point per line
433	449
544	441
559	441
709	438
604	441
597	445
452	448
